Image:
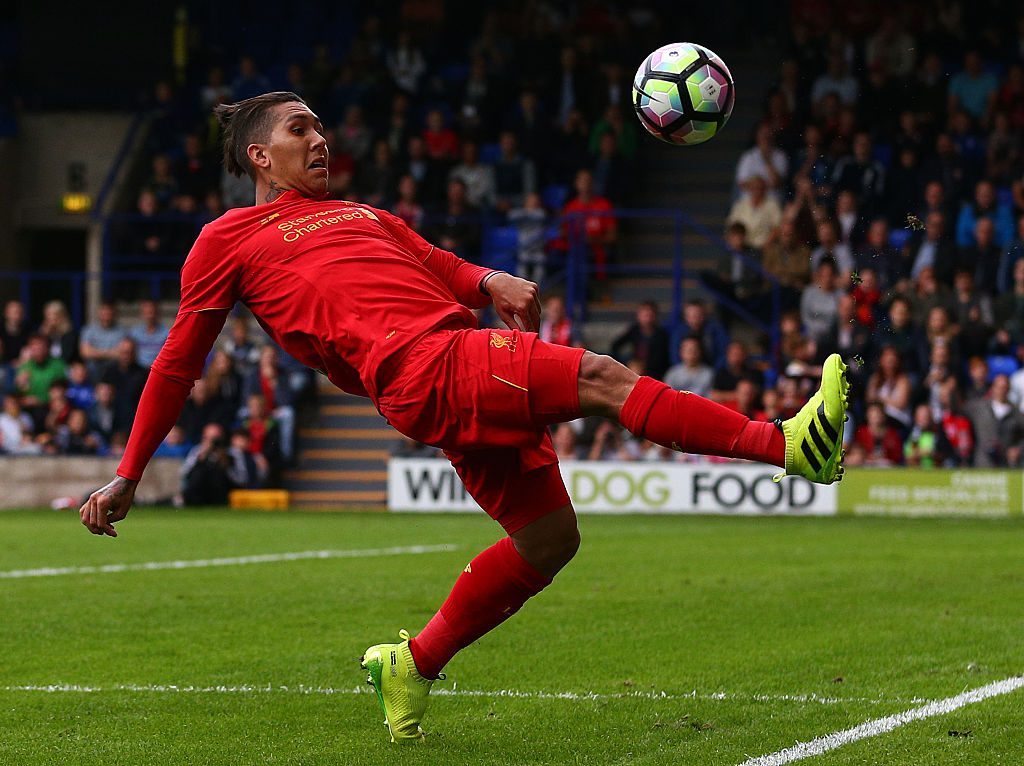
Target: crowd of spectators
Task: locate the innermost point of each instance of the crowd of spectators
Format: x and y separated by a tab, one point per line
76	393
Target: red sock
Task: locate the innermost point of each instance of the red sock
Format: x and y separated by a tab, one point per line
690	423
489	591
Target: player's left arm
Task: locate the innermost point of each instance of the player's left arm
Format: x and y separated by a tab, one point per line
516	301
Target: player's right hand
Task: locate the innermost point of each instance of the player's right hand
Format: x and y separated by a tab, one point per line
108	505
516	301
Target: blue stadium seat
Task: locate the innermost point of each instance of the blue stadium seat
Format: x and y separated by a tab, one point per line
500	246
489	153
1004	196
883	153
999	364
554	196
898	238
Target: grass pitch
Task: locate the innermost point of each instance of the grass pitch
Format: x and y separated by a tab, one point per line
760	632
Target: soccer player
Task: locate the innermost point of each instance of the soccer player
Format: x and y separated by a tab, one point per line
353	292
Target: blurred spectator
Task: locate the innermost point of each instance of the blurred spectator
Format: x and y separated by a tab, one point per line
75	437
977	383
80	389
58	409
59	331
983	254
644	344
441	142
457	224
890	386
199	409
902	186
880	441
849	219
1002	153
149	335
264	432
968	304
14	333
699	323
174	444
947	168
861	174
162	184
890	47
515	177
244	353
407	206
892	266
929	294
829	246
613	122
788	260
819	303
406	64
1009	309
764	160
1009	259
555	326
478	178
973	89
102	414
984	206
955	426
737	368
204	474
852	339
691	374
353	135
196	176
215	91
931	248
249	469
836	79
569	150
378	178
867	296
926	446
565	443
589	219
612	174
757	211
998	427
128	378
250	82
608	443
530	221
38	372
899	331
99	339
16	429
276	398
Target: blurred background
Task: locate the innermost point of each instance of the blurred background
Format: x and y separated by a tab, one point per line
866	197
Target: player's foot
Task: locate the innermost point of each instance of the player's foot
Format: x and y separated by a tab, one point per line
814	436
401	690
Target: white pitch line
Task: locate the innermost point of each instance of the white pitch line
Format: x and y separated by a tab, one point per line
878	726
303	689
264	558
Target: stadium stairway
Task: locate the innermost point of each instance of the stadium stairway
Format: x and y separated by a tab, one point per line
697	180
342	454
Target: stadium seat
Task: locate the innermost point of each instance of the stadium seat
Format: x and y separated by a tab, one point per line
555	196
1004	196
898	238
500	246
1001	364
489	153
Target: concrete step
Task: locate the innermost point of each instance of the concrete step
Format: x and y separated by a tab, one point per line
327	499
346	476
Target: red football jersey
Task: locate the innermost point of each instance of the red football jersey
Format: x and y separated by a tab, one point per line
344	288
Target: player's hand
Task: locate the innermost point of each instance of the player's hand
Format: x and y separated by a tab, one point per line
107	505
516	300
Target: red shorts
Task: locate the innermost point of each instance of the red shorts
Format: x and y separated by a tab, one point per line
486	398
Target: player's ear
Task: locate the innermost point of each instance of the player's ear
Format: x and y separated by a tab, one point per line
258	156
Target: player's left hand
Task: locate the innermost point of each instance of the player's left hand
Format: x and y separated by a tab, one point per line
516	300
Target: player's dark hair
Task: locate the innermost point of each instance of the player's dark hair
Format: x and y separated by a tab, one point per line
248	122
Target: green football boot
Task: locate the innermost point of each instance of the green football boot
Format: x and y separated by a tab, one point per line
401	690
814	436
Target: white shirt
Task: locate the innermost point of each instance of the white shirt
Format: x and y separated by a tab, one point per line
752	163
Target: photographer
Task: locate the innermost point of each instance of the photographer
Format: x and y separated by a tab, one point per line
205	474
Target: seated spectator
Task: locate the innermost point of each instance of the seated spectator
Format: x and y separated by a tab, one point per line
588	220
429	174
1013	253
224	387
985	205
80	389
406	64
515	177
1009	309
947	168
378	178
937	374
608	443
276	395
880	441
938	327
926	446
932	249
891	47
14	333
457	224
174	444
196	175
76	438
852	338
264	432
811	161
565	442
788	260
1002	152
983	256
968	304
929	294
902	186
204	474
860	173
757	211
407	206
613	122
691	374
98	343
569	150
16	430
891	265
955	426
477	177
556	326
244	352
644	344
976	385
969	142
103	413
37	373
699	323
829	246
866	298
973	90
836	79
128	378
819	303
764	160
737	368
849	220
998	427
441	142
149	335
530	221
747	280
198	411
612	174
250	81
58	410
59	331
899	331
249	469
890	386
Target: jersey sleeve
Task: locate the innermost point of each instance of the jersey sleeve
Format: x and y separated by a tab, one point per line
462	278
210	277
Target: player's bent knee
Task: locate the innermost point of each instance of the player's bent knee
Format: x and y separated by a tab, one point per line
604	385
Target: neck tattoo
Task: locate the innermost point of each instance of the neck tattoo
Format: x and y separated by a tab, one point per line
274	192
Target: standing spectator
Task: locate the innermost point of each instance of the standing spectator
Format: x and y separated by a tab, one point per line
38	372
59	331
691	374
985	205
819	304
515	177
14	333
998	427
556	326
588	219
860	173
764	160
644	344
478	178
128	378
757	211
98	343
530	221
880	440
973	89
149	335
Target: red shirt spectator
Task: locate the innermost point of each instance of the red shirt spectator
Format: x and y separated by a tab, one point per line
442	143
880	441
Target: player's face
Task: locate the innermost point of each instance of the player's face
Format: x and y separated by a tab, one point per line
298	151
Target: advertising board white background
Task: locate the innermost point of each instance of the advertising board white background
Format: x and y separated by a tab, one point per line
613	487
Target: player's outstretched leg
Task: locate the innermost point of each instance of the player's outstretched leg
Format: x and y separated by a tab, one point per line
491	588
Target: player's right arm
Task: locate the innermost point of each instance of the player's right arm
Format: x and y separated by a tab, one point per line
209	287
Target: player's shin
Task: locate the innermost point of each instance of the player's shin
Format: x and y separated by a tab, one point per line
491	588
687	422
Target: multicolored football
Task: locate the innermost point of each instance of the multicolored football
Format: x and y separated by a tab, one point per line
683	93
